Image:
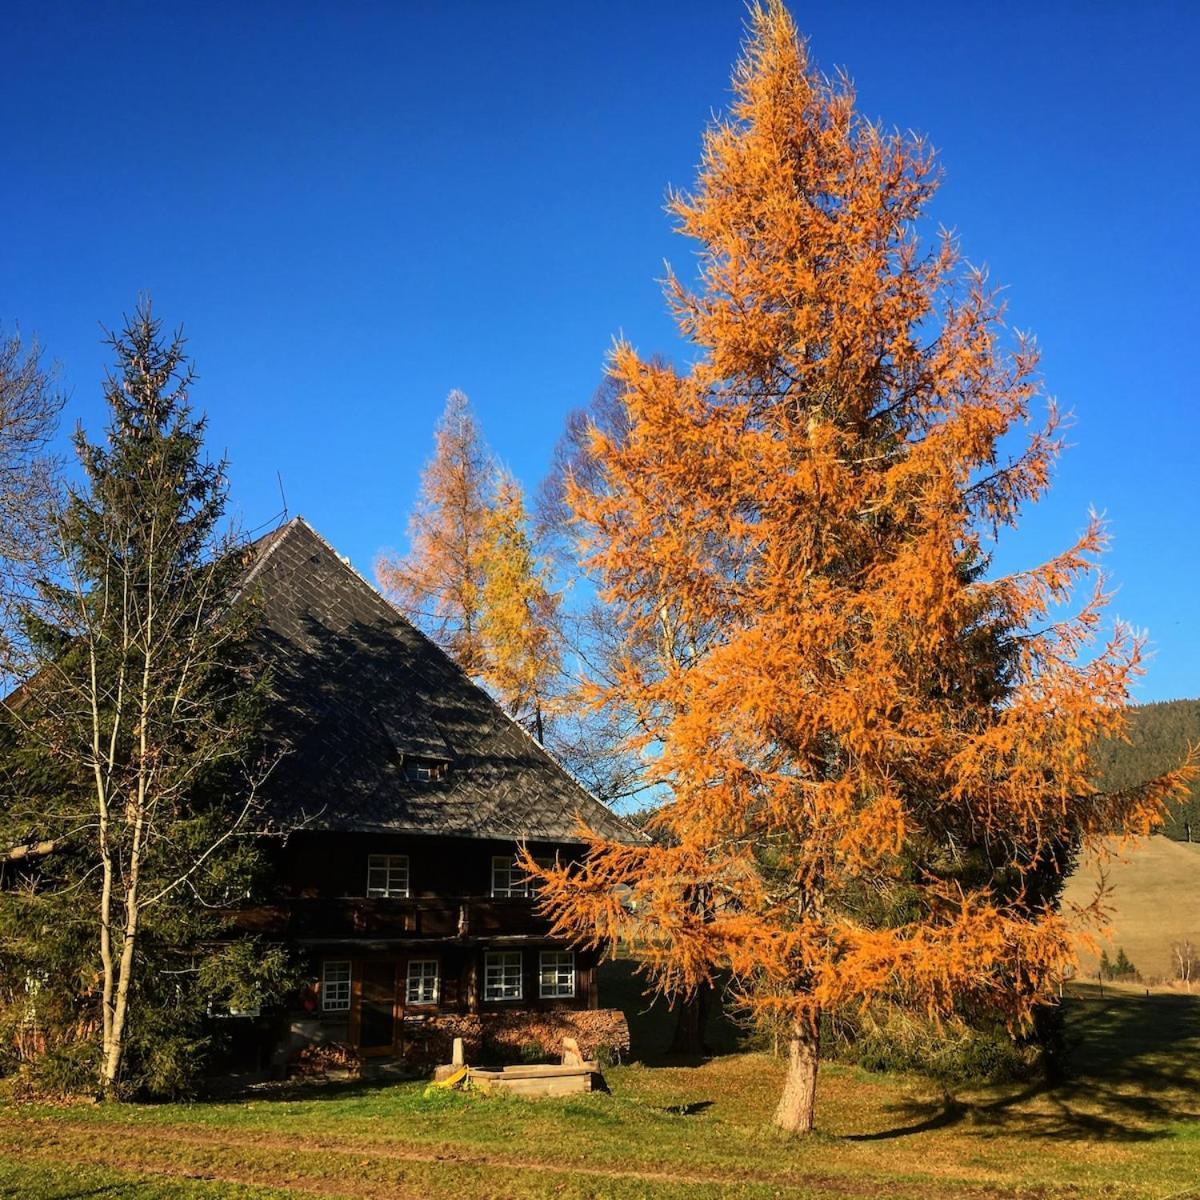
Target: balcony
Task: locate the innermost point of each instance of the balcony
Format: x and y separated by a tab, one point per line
443	917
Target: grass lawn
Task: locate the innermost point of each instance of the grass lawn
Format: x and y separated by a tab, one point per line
1127	1125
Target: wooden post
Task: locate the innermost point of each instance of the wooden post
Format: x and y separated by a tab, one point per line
473	982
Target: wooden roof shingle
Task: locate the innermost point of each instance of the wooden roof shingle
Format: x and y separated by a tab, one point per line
356	687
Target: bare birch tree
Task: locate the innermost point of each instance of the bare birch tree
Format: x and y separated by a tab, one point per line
29	411
1184	954
145	705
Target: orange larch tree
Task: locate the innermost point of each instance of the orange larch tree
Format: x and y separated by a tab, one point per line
439	583
518	611
839	701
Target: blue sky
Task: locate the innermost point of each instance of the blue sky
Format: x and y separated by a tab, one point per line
355	207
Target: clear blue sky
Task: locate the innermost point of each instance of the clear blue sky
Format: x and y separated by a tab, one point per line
355	207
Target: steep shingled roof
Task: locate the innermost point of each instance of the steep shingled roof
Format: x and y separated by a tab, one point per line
357	686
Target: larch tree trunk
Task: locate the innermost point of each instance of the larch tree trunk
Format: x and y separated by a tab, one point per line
798	1102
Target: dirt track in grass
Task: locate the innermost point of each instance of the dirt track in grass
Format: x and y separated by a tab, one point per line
143	1149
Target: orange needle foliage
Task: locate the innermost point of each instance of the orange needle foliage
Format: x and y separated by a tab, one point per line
471	578
439	583
518	616
841	706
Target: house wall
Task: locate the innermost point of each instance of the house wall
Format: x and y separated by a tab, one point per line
449	915
322	890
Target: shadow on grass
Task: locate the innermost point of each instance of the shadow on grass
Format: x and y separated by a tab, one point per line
949	1113
1133	1072
688	1110
315	1088
105	1189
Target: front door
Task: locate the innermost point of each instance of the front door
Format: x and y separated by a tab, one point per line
377	1007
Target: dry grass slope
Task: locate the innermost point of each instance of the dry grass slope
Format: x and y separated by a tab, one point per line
1154	902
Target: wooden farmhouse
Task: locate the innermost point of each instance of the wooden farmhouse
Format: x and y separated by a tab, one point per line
398	805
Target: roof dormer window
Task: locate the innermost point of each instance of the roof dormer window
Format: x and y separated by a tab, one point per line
424	770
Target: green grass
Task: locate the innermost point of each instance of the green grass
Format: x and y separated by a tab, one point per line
1127	1125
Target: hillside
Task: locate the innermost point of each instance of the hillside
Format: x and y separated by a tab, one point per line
1159	737
1154	903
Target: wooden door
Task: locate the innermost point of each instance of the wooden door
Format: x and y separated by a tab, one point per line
377	1007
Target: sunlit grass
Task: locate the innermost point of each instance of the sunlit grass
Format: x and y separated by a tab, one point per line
1125	1125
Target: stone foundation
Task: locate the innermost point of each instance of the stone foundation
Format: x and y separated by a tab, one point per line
517	1036
489	1039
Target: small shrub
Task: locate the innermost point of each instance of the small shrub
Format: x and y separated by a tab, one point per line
606	1056
64	1070
953	1053
168	1066
533	1052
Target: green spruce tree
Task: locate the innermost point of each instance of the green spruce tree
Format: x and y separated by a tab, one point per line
132	755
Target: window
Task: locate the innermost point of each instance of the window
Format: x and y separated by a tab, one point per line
509	880
556	976
424	770
335	986
387	875
422	981
502	975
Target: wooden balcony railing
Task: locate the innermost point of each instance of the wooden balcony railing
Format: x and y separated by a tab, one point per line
357	917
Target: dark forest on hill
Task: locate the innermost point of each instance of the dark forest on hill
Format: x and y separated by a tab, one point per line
1159	735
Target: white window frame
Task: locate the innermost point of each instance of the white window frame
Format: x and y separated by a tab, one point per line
388	876
560	966
507	878
421	978
498	968
515	881
336	980
424	770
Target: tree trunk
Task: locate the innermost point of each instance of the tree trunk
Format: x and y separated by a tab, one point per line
115	1050
796	1105
692	1022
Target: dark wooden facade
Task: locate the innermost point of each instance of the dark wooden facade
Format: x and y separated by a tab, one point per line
372	957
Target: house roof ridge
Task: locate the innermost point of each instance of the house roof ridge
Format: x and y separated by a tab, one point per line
277	536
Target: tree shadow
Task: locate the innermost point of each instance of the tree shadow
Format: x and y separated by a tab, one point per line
949	1113
687	1110
1132	1075
225	1091
104	1189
